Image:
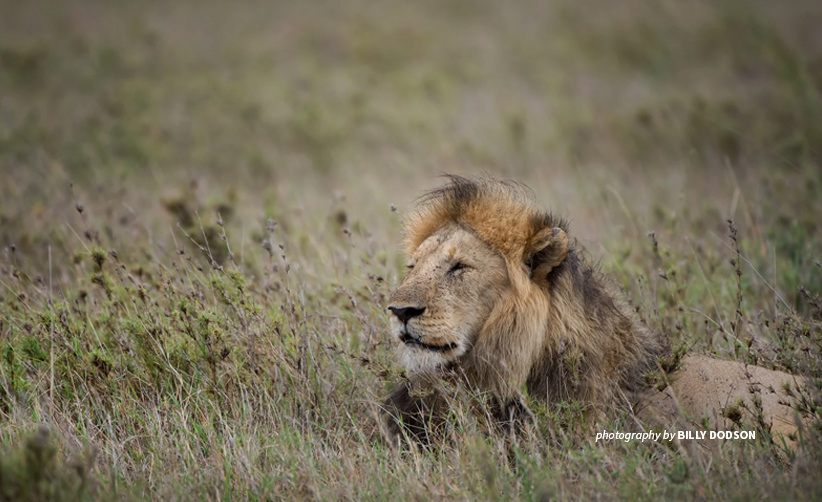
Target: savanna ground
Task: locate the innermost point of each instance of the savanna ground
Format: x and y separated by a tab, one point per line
200	212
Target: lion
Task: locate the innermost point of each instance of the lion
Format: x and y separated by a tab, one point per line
497	296
497	290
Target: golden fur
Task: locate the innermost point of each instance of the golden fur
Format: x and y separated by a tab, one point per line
499	295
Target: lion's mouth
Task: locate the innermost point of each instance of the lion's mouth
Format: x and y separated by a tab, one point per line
410	340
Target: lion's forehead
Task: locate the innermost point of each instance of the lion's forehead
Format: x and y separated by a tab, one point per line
432	243
450	242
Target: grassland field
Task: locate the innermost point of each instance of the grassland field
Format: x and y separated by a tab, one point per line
200	218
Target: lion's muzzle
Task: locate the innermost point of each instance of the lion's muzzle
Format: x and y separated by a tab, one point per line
407	335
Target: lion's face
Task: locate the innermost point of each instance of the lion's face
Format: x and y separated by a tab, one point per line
455	279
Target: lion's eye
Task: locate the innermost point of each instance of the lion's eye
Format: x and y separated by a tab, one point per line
410	266
457	267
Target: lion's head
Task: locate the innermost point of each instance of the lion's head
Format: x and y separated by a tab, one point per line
478	252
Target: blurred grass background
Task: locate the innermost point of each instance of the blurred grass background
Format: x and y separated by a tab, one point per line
198	236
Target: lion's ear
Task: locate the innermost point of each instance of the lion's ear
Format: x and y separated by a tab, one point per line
548	249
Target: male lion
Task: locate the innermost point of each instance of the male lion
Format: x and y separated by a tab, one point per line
497	291
498	297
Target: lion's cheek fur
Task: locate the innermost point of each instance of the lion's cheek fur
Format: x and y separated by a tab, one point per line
506	348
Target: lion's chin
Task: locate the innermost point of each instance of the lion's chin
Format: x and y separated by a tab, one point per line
420	359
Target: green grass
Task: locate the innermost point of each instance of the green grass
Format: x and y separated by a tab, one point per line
200	222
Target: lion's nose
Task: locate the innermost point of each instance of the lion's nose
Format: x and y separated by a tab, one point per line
406	313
